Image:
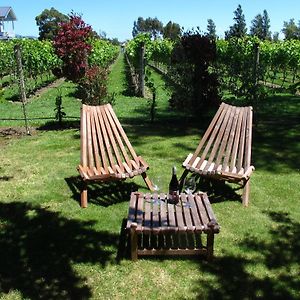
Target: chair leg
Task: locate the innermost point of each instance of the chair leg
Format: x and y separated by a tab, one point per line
246	192
148	181
83	196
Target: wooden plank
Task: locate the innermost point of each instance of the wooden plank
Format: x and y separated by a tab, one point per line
163	213
236	142
83	172
196	219
207	133
126	167
211	138
155	214
203	165
187	160
179	217
89	141
83	137
208	207
210	168
226	137
242	141
135	166
106	139
248	139
219	135
132	209
142	161
117	134
139	169
101	143
111	137
94	140
140	212
122	132
97	173
171	217
201	211
231	138
119	171
187	212
147	215
195	163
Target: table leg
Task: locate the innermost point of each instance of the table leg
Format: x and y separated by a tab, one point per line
134	242
210	246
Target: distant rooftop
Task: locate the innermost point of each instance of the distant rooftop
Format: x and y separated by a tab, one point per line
7	14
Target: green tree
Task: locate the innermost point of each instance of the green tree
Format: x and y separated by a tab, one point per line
257	27
211	29
172	31
238	29
291	30
48	22
266	26
275	36
149	25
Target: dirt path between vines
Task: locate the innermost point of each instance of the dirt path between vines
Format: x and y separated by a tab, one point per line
44	89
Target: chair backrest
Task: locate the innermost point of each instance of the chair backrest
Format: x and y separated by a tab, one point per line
227	141
104	144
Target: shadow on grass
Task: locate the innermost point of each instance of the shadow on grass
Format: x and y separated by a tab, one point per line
6	178
277	133
104	194
38	249
129	89
66	124
234	277
218	190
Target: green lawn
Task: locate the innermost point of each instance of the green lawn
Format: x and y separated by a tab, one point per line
50	248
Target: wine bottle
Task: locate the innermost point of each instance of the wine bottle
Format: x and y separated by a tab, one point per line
174	187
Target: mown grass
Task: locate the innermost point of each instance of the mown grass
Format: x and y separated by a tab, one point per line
51	248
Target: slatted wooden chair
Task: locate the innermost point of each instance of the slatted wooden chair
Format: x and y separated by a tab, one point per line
224	152
106	153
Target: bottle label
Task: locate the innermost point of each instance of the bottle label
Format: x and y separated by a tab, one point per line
173	197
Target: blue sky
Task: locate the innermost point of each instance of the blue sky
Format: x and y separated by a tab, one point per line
116	17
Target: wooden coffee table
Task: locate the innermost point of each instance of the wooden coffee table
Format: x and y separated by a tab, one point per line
158	227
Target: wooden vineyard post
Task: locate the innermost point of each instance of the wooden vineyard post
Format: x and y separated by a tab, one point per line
18	56
142	71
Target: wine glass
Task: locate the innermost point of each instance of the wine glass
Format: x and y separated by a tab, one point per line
190	185
189	188
156	184
156	187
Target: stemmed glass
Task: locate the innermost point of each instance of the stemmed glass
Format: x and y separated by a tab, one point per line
156	188
190	185
189	188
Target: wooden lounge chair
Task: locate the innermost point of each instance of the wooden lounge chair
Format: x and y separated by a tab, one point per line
224	152
106	153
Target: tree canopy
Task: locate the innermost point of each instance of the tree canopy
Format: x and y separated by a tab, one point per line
211	29
150	25
172	31
261	26
48	22
238	29
291	30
